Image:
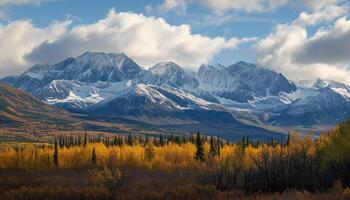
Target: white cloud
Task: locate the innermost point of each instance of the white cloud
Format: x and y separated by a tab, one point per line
290	50
147	40
179	6
222	6
315	5
19	38
329	46
327	14
148	9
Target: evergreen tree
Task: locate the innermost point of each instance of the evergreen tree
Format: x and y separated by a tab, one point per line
184	140
172	138
85	139
55	154
129	142
200	149
218	147
243	141
106	141
93	156
212	150
147	139
79	140
61	141
161	140
115	141
177	140
288	139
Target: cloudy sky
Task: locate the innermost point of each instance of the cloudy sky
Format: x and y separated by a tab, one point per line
303	39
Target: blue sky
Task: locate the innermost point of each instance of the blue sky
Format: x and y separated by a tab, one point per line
283	35
241	25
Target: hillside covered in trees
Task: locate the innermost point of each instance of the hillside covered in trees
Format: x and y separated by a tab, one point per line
177	167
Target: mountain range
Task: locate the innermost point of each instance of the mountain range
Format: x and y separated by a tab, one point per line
229	100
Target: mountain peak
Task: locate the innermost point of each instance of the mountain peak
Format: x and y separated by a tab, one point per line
319	83
100	59
169	73
248	66
165	68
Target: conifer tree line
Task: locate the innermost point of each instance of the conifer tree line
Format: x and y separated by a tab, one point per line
216	143
161	139
130	139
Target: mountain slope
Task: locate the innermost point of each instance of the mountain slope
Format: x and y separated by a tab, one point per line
243	82
328	103
168	73
19	109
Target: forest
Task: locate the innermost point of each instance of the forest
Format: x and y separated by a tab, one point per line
194	166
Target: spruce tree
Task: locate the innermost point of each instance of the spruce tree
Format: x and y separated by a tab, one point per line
55	154
200	149
218	147
115	141
177	140
212	147
288	139
172	138
85	139
61	141
120	141
129	142
147	140
161	140
93	156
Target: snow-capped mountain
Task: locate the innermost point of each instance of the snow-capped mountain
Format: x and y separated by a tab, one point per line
326	102
76	83
89	68
168	73
112	85
243	82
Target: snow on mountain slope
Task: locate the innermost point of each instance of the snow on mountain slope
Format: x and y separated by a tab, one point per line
114	84
337	87
168	73
164	97
243	82
89	68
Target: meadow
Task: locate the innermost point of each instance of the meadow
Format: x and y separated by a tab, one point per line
177	167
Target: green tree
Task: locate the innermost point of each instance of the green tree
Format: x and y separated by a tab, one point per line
115	141
212	150
288	139
147	139
94	156
129	142
161	140
55	154
200	149
85	139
